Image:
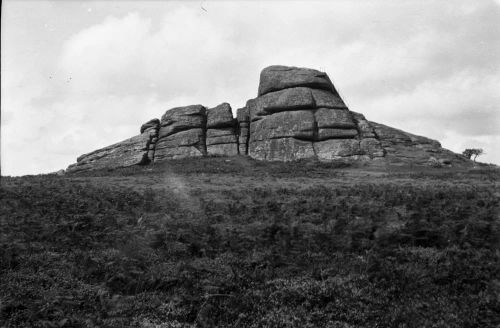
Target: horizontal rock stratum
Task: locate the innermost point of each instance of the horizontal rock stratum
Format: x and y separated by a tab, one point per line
298	114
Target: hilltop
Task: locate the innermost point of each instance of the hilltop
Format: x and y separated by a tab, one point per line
298	114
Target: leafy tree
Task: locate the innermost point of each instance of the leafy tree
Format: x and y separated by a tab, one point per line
469	152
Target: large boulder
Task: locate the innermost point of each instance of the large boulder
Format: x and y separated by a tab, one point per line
222	142
242	115
274	78
221	136
297	104
283	149
220	116
188	143
283	100
181	119
297	124
182	133
282	122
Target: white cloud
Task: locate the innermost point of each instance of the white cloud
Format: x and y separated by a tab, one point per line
463	102
124	56
429	68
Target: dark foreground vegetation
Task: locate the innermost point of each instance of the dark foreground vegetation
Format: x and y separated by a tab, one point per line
230	244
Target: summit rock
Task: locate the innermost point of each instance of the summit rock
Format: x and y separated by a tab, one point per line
275	78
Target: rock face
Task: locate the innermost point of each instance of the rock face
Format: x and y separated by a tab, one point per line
221	131
274	78
298	114
403	148
182	133
138	150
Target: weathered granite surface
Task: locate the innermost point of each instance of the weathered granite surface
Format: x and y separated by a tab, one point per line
278	77
298	114
182	133
221	138
138	150
302	107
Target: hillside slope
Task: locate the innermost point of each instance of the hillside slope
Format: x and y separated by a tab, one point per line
233	242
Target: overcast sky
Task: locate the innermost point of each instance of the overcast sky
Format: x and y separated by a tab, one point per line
80	75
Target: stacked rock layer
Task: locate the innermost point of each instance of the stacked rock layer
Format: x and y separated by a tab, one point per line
221	131
298	114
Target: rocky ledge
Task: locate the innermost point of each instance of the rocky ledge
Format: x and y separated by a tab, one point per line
298	114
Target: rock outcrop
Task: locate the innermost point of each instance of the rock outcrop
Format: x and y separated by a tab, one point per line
298	114
403	148
138	150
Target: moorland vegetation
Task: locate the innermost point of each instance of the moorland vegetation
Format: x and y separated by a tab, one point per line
239	243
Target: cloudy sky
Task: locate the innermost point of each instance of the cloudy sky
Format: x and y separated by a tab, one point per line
80	75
